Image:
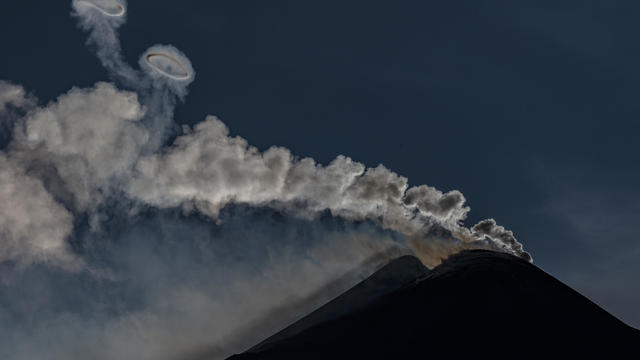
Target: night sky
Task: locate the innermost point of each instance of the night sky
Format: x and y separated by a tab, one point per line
530	109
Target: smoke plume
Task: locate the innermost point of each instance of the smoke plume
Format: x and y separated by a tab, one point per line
132	248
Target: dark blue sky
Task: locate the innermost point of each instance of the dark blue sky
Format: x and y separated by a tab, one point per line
529	109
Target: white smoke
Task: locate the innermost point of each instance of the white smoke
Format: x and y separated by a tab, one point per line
98	155
206	169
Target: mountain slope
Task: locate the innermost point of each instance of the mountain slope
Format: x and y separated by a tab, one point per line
478	303
388	279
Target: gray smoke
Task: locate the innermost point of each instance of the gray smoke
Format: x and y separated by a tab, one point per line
142	250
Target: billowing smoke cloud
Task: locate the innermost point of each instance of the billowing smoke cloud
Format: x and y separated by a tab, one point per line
33	227
90	137
207	169
138	249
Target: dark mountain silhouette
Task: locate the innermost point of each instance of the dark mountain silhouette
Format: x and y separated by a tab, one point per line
476	303
398	273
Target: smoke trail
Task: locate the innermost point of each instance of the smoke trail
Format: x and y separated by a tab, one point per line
208	170
205	169
155	84
161	249
102	18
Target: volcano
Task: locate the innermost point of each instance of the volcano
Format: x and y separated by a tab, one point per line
476	303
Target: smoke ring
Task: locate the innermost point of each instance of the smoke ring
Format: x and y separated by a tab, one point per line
119	10
184	75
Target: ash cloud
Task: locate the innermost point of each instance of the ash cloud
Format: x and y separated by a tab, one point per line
145	250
